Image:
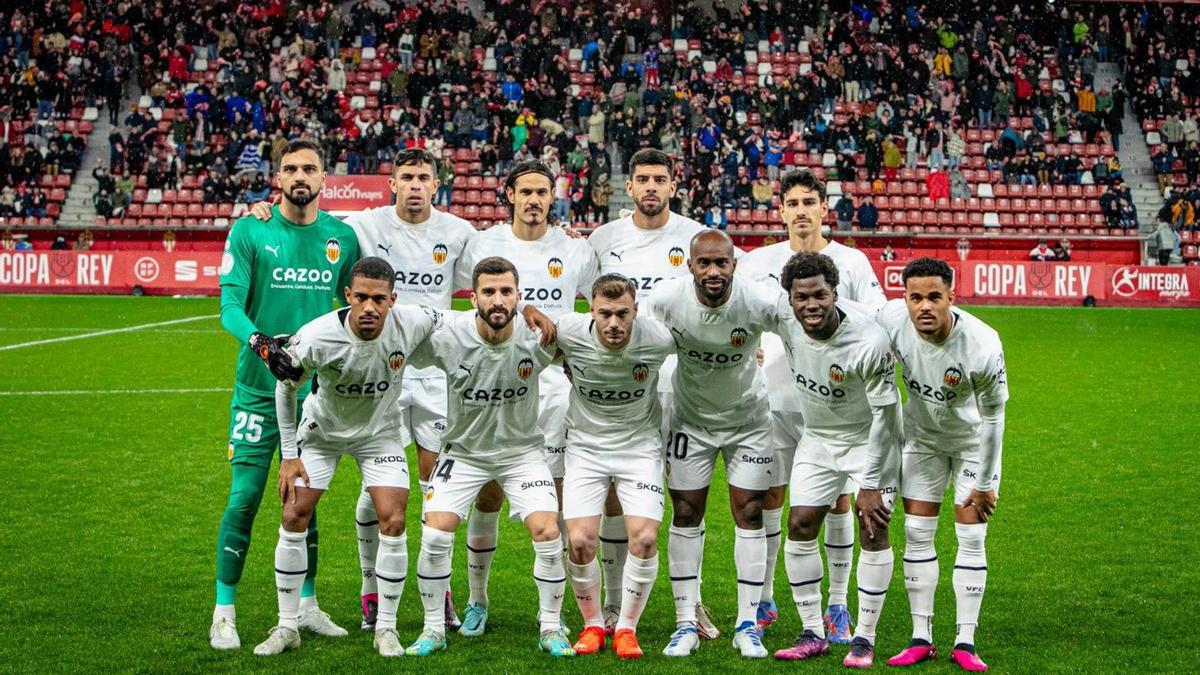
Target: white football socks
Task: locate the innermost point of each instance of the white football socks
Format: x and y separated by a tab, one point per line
366	521
839	551
750	561
291	564
483	528
874	576
548	573
639	579
585	583
802	559
921	572
970	578
391	569
685	548
433	576
614	547
771	525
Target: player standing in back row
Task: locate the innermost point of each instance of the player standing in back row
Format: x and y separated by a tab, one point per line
425	247
275	277
803	207
953	366
553	269
648	246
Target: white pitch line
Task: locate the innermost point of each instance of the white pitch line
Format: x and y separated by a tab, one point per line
86	392
111	331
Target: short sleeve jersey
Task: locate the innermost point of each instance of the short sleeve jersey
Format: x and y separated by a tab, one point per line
492	389
717	383
614	402
424	255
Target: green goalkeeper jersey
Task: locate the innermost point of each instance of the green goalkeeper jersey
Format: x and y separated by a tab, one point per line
277	276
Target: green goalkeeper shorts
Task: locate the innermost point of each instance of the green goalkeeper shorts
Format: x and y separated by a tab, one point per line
254	427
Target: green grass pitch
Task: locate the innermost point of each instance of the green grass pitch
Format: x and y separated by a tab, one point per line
111	501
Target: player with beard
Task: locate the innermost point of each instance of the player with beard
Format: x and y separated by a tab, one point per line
720	411
554	268
648	246
803	207
275	277
492	367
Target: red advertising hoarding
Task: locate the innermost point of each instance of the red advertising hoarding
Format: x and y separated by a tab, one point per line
1061	283
977	282
355	193
158	273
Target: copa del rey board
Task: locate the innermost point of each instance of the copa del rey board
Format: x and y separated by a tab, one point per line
1015	283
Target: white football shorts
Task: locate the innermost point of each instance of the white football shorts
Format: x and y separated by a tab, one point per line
691	452
926	473
636	473
821	471
381	461
456	481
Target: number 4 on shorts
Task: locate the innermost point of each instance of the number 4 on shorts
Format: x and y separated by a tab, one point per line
443	468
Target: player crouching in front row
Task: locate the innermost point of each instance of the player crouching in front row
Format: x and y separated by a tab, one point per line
358	354
613	425
492	365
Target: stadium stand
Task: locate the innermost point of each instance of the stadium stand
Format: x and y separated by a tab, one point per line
968	123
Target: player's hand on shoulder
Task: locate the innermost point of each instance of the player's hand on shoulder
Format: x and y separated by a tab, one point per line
261	210
571	232
536	320
273	352
289	471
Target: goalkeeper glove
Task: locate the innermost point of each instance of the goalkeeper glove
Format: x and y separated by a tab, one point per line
273	352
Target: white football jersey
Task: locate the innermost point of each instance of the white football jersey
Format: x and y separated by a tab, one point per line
424	256
492	390
552	271
946	382
839	379
614	401
717	382
645	256
856	281
358	381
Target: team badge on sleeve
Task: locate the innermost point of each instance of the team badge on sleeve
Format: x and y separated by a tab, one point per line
952	377
439	253
396	360
675	256
836	374
555	267
737	337
640	372
525	368
333	250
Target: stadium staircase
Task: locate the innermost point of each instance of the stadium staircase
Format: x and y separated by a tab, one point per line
1134	154
77	210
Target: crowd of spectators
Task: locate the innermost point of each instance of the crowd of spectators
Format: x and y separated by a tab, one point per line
55	62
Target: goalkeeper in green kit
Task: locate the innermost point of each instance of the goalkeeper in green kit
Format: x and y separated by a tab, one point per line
276	276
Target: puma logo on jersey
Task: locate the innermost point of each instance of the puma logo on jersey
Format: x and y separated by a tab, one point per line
273	249
238	553
465	368
616	255
386	249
